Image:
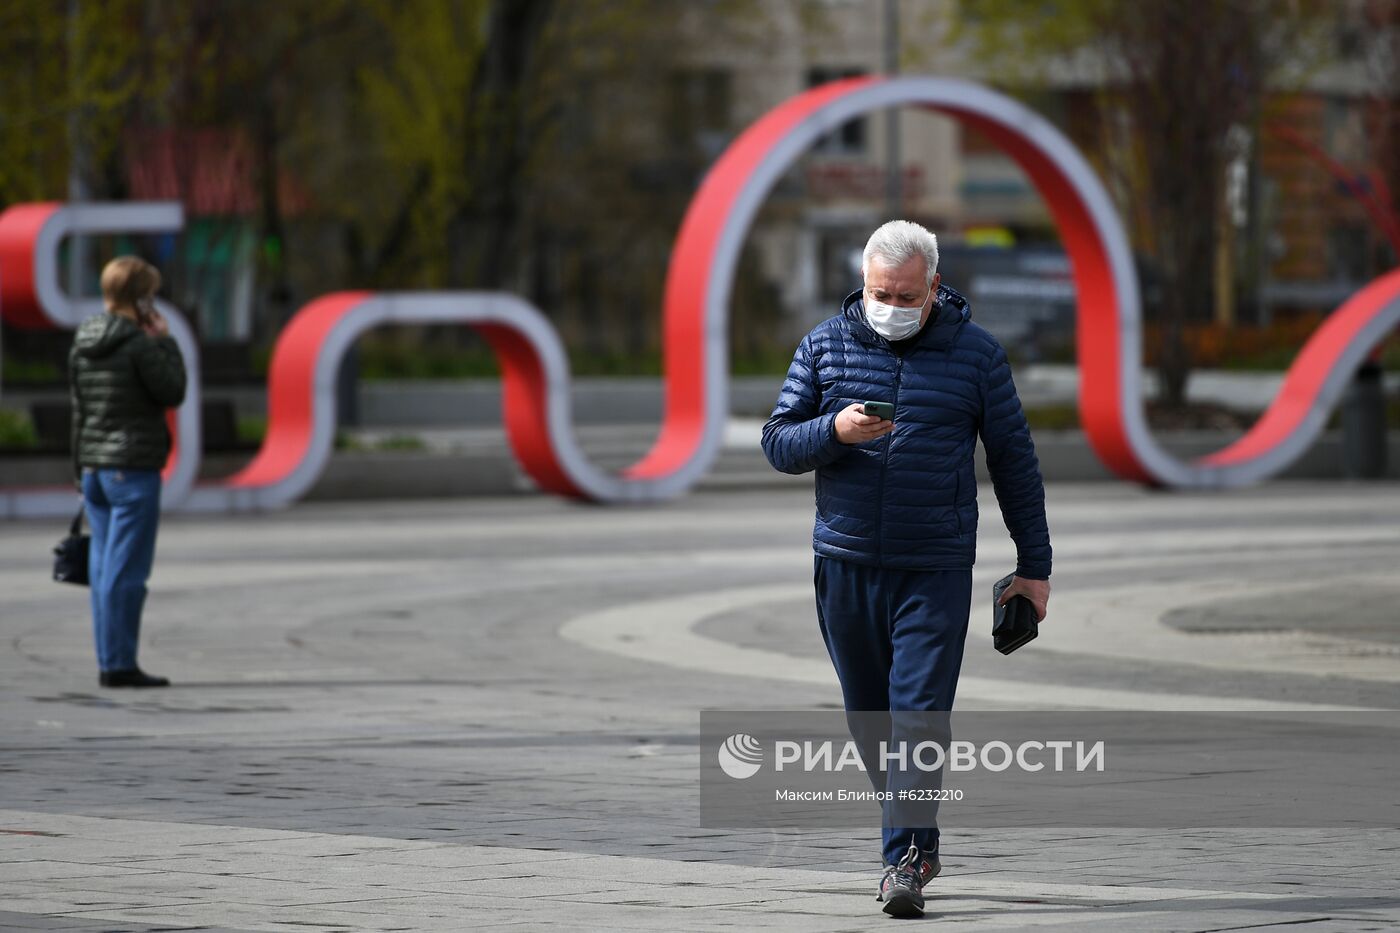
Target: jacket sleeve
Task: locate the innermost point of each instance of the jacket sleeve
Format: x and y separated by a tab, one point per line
162	370
1015	471
797	438
75	419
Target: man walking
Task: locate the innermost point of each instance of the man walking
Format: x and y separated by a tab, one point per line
896	498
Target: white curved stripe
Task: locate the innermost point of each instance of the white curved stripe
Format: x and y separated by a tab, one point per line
66	313
91	218
958	95
375	310
189	434
973	98
951	95
661	631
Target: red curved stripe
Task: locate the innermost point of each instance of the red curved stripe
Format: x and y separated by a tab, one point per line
705	220
20	228
1097	312
524	410
291	390
292	396
1302	384
687	277
19	235
708	221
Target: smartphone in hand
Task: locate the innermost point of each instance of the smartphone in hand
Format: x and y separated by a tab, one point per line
151	320
883	410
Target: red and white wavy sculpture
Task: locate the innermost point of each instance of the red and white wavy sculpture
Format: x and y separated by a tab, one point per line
301	396
31	296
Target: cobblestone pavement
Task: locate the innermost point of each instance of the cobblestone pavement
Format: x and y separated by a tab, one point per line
483	714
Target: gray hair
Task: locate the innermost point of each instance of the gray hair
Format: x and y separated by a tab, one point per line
899	241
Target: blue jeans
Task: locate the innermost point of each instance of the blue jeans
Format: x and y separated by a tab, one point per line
123	510
896	640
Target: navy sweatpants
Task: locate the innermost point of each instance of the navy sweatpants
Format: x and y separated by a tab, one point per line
896	639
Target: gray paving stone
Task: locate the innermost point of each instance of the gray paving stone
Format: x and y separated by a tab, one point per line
376	723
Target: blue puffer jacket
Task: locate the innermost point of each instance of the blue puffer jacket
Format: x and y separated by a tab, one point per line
908	500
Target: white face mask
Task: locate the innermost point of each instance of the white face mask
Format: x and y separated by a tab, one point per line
891	321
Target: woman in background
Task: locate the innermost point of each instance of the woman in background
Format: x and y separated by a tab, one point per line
124	371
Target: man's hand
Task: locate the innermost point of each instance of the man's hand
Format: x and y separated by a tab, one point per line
854	426
1037	591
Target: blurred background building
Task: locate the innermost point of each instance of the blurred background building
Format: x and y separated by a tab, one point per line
550	148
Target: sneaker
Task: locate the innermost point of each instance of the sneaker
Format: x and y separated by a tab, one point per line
135	677
929	866
902	888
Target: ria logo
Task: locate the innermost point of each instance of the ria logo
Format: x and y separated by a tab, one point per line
740	756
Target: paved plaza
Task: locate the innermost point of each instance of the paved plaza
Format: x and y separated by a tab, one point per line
484	714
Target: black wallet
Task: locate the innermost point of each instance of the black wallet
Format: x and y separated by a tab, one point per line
1013	624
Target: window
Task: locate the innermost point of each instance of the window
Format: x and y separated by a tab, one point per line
698	109
1348	253
850	137
839	252
1344	130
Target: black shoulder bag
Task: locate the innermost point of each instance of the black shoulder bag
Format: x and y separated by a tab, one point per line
70	556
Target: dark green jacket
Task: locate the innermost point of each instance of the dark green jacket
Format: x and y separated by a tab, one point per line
122	381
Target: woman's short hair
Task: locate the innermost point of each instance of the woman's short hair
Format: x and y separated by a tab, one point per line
128	281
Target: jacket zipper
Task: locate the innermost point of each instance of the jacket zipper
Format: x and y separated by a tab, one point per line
885	467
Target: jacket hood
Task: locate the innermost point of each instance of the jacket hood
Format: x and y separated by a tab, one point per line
950	311
102	334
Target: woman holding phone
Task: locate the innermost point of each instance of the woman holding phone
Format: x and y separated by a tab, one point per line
124	372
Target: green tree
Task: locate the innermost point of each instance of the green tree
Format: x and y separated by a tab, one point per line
1173	78
511	144
73	72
